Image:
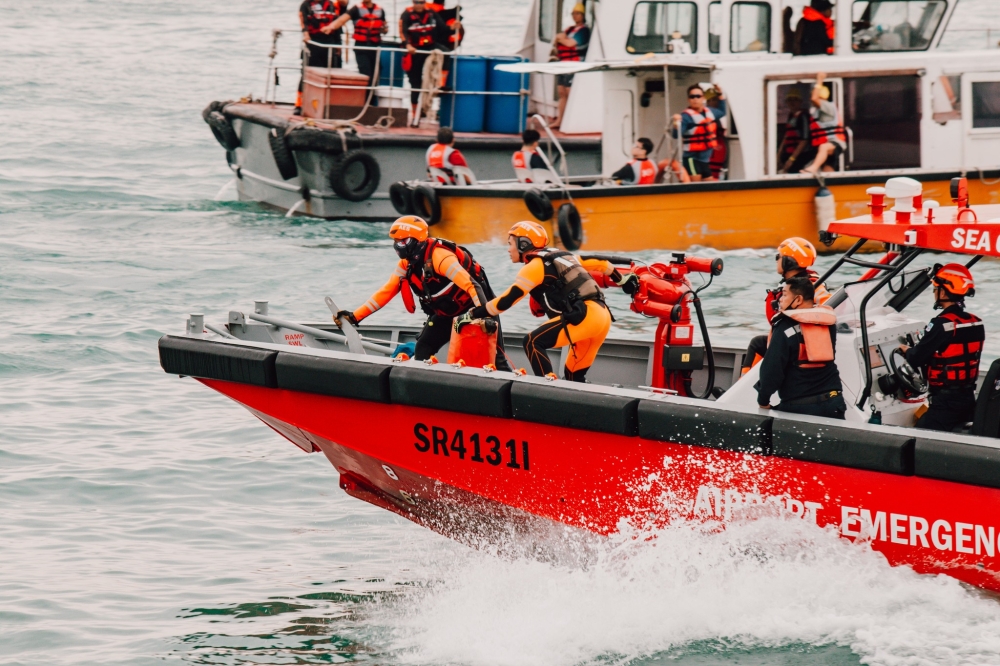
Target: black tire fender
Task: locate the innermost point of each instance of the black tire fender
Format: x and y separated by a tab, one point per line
570	227
223	130
538	204
355	175
401	197
426	203
283	157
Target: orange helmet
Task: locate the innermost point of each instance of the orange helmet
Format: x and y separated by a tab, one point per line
408	234
529	235
956	279
795	253
409	226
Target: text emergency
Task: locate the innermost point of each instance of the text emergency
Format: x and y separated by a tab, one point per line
488	449
909	530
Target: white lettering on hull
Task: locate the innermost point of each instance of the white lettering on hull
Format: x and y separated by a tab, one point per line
727	504
906	530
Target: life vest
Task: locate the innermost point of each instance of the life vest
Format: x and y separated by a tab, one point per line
368	27
576	52
705	131
792	137
821	296
437	294
816	348
810	14
820	133
567	284
957	365
522	159
421	28
322	13
644	172
438	156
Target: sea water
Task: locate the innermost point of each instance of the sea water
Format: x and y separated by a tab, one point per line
145	519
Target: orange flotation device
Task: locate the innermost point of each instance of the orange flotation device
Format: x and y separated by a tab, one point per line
475	345
676	168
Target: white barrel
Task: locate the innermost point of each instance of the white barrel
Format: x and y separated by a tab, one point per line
394	98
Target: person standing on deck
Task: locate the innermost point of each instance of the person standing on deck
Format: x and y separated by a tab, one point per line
369	26
317	18
799	364
571	45
418	27
815	31
950	350
699	130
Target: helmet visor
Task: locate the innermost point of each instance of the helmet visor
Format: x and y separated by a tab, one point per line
405	247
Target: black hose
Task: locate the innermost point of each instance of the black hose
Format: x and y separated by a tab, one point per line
708	349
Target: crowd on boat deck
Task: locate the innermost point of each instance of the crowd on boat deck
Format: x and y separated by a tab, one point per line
423	26
797	358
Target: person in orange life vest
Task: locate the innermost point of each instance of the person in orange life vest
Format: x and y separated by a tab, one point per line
699	128
794	258
815	31
316	18
444	156
799	364
950	351
443	275
369	26
571	45
418	27
561	287
796	148
528	157
640	170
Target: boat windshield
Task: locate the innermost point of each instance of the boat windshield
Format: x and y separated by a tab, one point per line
896	25
654	25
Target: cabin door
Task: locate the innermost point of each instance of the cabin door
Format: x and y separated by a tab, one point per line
882	122
981	119
783	99
619	112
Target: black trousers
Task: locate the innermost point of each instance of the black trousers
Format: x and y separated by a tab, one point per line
366	62
834	408
949	409
757	347
416	75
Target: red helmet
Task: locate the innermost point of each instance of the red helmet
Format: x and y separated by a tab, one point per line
956	279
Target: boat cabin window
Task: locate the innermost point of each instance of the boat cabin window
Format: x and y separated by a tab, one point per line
896	25
547	11
750	27
985	104
664	27
714	26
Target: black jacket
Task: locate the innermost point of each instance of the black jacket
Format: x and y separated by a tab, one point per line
780	371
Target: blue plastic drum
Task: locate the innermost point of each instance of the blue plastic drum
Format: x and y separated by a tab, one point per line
505	114
390	66
465	113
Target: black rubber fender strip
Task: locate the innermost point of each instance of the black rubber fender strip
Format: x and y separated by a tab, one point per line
558	406
702	425
217	360
305	138
255	114
342	378
453	391
878	451
957	461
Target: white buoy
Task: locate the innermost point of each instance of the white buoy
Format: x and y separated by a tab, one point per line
826	208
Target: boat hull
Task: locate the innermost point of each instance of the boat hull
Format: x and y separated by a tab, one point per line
540	488
726	215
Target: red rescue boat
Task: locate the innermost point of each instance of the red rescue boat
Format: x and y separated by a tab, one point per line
486	456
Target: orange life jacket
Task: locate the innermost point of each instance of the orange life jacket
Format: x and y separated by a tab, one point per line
322	13
957	364
438	295
704	136
522	159
816	348
576	52
421	28
645	171
368	27
437	158
810	14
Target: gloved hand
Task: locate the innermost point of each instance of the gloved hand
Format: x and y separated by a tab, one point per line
461	322
630	284
344	314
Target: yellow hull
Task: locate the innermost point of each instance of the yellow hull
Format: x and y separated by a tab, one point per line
725	219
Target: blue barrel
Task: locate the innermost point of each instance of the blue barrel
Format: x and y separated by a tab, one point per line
390	66
467	75
505	114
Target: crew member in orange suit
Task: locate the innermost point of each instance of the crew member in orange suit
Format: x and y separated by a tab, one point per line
446	279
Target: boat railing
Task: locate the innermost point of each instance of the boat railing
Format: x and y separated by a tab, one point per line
389	85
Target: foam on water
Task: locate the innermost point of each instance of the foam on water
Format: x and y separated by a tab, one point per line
765	583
